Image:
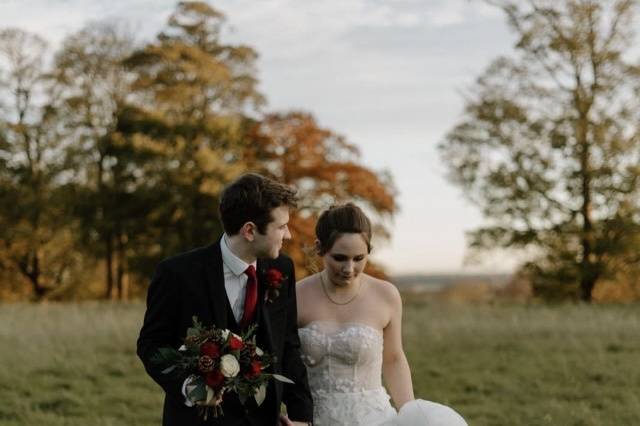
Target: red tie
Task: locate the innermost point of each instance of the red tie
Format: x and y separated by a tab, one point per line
251	298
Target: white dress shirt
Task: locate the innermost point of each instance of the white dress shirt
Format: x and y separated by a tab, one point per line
235	280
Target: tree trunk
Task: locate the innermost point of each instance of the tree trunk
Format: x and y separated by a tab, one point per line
583	104
587	283
38	289
122	275
29	266
109	268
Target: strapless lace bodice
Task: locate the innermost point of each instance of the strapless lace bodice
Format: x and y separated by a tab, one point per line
344	365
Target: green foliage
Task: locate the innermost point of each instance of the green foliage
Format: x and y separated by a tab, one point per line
191	92
166	357
548	147
34	235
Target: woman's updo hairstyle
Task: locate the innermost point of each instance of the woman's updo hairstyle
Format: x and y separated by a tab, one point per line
341	219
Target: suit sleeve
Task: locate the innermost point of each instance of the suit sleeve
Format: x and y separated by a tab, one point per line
297	397
159	328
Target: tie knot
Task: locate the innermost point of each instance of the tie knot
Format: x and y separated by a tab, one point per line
250	271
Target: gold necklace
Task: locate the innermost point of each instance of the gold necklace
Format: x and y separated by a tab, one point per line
333	301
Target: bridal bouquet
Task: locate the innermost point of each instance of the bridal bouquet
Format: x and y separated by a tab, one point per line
218	361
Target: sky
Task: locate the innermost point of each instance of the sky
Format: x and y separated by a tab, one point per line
386	74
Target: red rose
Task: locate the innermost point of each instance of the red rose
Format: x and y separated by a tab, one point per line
274	278
214	379
255	368
211	350
235	343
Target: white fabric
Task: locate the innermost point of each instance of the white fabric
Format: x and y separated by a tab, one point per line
426	413
235	280
344	366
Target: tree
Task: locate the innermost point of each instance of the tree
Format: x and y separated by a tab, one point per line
95	87
192	93
33	236
549	145
324	167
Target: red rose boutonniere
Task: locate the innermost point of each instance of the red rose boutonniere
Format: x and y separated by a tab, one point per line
274	279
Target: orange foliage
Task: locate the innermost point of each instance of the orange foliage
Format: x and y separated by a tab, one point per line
325	169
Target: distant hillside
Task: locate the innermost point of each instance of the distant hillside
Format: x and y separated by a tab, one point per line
439	282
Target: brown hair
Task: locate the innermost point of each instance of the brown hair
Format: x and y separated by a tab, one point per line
342	219
251	198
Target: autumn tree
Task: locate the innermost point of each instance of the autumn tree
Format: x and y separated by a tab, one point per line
95	86
33	238
192	93
325	168
549	147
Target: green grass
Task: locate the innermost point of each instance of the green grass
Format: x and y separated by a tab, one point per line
66	364
537	365
74	365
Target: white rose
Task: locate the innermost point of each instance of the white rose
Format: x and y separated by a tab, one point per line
225	334
229	366
259	351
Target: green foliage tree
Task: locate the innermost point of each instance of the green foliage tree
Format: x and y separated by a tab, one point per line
34	240
95	86
549	144
191	96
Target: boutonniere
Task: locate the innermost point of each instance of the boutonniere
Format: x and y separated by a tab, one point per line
274	279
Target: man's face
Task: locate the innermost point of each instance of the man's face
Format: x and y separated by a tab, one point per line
268	245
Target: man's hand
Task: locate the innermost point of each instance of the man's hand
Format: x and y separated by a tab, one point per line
284	421
213	403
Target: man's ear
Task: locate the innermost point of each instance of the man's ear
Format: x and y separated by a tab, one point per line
248	231
318	247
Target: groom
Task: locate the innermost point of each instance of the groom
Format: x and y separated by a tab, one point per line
225	285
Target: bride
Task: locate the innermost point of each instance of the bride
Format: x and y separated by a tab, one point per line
350	331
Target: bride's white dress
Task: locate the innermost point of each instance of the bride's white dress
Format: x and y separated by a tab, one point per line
344	366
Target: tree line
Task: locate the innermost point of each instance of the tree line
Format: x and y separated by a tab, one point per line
113	155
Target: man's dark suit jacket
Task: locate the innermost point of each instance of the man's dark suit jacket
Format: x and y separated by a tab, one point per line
192	284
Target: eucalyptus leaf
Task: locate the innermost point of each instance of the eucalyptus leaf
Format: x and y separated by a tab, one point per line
261	394
169	369
210	394
198	391
282	379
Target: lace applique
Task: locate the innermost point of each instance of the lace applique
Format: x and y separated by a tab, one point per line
344	365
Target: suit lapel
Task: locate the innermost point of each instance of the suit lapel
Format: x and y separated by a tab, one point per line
214	271
263	320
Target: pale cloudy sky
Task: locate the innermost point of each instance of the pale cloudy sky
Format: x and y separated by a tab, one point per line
387	74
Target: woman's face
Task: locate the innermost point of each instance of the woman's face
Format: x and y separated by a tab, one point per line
346	259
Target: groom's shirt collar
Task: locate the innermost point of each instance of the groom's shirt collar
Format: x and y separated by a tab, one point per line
236	265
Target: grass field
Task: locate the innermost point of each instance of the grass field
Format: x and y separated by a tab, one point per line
66	364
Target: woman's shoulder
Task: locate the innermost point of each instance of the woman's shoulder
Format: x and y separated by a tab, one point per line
384	288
